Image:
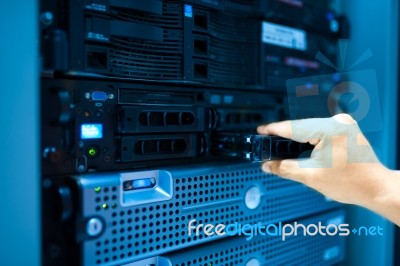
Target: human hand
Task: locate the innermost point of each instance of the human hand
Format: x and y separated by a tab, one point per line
342	166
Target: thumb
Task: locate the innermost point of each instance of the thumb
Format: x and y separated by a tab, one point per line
297	170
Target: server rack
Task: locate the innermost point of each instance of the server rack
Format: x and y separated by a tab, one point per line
133	93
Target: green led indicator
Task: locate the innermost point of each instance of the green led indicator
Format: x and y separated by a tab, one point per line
92	152
105	206
97	189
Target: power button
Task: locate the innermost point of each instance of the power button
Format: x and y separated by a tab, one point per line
253	197
253	262
94	226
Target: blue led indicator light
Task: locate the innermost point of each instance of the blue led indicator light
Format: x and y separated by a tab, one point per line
188	11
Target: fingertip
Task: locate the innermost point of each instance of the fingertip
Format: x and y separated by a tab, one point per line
262	129
266	168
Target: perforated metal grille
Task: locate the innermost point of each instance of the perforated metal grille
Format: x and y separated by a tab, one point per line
215	197
266	250
232	57
106	198
270	250
151	59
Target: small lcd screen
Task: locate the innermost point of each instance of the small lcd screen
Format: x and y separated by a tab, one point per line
91	131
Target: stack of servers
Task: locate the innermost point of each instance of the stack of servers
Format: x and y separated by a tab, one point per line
133	93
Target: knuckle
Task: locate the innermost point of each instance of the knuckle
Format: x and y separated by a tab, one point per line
345	118
343	125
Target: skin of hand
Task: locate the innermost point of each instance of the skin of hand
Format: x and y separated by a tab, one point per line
342	166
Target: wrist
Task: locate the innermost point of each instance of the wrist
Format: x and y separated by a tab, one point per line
386	200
